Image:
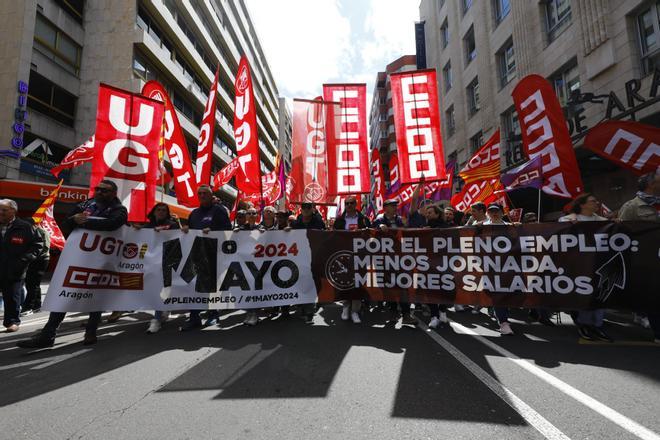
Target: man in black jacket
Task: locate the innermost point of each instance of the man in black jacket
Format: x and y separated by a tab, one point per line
102	213
35	273
19	245
208	217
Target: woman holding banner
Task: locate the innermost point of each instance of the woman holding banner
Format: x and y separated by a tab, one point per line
589	322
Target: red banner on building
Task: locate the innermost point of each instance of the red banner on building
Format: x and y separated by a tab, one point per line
128	131
485	164
204	158
378	191
245	132
628	144
185	184
417	124
347	149
545	133
309	167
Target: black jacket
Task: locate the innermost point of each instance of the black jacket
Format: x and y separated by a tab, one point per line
316	222
20	245
109	218
362	223
214	217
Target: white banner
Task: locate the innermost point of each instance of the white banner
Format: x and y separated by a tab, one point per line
169	270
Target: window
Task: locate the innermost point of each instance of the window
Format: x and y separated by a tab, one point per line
506	61
382	117
444	34
446	76
558	17
466	5
74	8
56	45
451	121
649	38
473	96
470	46
476	142
511	137
52	100
501	9
565	82
441	3
142	70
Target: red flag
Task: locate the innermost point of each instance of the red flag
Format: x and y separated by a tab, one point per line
128	131
485	164
378	191
347	150
245	132
545	134
77	156
223	176
395	182
206	135
185	185
628	144
43	217
483	191
234	209
417	124
309	168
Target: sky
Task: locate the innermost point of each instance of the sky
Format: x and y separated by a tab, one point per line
308	43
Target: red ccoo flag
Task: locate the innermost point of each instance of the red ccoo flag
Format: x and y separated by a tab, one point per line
485	164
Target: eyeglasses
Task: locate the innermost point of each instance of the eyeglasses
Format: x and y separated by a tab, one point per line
252	213
100	189
306	207
350	203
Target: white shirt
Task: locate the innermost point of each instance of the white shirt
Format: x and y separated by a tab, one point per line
582	218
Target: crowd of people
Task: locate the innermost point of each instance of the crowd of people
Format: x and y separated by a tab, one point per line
24	253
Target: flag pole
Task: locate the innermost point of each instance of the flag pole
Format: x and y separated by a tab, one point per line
538	214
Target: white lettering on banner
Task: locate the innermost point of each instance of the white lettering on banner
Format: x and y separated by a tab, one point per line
541	143
421	158
348	149
634	142
205	145
315	143
117	115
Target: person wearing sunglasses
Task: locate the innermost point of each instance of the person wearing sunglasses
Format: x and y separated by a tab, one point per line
351	220
104	212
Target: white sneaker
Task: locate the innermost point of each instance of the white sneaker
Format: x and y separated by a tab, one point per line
435	322
154	326
345	313
251	319
505	328
355	317
458	308
476	310
645	322
443	318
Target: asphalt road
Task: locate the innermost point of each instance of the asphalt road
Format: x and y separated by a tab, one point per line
285	379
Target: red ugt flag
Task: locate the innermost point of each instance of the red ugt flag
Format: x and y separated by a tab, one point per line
127	141
245	132
205	145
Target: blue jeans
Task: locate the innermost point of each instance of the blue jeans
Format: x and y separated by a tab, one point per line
591	317
502	314
12	295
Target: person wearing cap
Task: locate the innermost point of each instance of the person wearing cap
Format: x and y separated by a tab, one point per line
19	246
389	219
241	218
351	220
208	217
495	217
530	217
308	219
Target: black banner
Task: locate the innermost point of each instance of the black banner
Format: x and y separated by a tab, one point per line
548	265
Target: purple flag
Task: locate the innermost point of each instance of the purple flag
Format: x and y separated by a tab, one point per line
526	175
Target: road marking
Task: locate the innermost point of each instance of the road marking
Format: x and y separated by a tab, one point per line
45	362
536	420
624	422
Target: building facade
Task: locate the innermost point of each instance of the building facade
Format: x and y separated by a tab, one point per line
63	49
284	142
481	49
